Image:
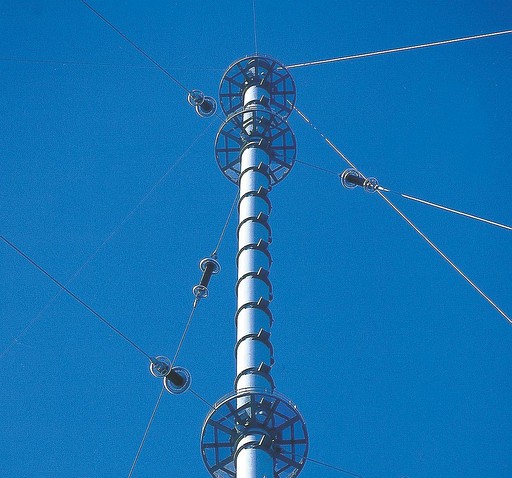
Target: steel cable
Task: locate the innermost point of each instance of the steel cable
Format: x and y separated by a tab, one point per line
197	299
140	50
184	334
254	26
107	65
444	208
327	465
216	250
395	50
206	402
335	468
75	297
415	199
107	239
445	257
431	244
319	168
146	432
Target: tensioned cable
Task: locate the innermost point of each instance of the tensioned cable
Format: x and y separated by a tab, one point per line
75	297
140	50
108	65
146	432
448	209
107	239
327	140
412	198
336	468
206	402
319	168
254	26
441	253
445	257
184	334
327	465
196	300
216	250
395	50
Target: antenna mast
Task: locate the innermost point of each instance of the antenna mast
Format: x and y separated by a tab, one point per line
255	432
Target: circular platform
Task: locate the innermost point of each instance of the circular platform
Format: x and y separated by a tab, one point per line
274	417
261	71
261	127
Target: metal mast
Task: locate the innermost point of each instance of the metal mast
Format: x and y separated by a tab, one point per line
255	432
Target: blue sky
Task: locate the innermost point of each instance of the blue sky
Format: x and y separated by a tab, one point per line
399	367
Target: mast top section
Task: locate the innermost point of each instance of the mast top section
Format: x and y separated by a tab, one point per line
257	94
261	71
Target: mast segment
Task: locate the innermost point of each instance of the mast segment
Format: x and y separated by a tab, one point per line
255	432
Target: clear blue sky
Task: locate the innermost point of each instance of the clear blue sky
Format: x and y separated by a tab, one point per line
399	367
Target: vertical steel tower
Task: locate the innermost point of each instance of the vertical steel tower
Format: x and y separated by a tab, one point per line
255	432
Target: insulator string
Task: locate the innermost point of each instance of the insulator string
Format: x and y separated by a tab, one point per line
395	50
146	432
140	50
429	242
75	297
107	239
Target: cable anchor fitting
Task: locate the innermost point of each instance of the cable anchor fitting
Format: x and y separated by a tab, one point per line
176	379
205	105
351	178
209	266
